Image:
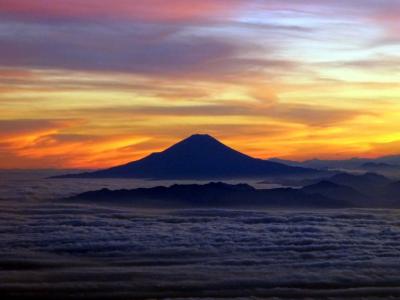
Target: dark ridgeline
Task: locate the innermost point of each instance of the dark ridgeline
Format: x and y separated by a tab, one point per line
336	191
211	195
364	190
368	183
197	157
380	167
339	191
389	165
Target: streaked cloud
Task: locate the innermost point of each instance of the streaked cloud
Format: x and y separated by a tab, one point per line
96	84
151	10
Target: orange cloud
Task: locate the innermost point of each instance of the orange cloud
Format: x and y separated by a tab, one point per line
44	143
25	131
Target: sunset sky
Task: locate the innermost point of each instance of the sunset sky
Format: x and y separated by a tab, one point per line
95	83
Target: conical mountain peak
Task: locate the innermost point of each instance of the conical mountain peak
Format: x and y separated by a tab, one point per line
201	147
201	139
200	136
200	156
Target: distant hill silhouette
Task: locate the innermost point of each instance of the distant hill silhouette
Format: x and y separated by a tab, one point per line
386	165
365	190
379	167
197	157
350	164
339	191
210	195
365	183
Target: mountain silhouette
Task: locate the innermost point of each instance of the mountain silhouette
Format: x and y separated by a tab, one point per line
213	194
197	157
365	183
337	192
386	165
380	167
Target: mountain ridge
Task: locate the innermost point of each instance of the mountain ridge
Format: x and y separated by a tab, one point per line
210	195
386	165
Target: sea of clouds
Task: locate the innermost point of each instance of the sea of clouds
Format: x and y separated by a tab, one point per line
57	250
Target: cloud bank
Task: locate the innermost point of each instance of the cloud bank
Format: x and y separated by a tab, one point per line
80	252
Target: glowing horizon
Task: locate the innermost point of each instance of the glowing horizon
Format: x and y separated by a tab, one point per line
103	83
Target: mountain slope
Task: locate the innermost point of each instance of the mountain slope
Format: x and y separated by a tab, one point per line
197	157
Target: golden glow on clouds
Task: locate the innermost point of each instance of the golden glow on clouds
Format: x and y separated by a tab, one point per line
269	80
